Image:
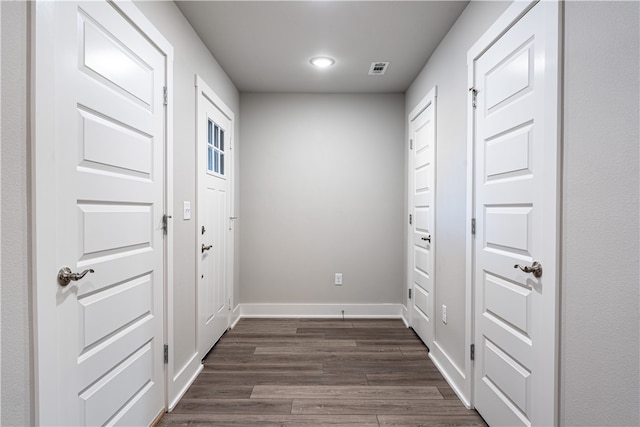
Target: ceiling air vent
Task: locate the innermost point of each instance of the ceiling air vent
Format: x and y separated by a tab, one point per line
378	68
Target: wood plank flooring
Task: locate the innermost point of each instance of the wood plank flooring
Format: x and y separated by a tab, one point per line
311	372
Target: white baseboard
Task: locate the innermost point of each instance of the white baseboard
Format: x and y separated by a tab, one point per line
235	317
405	315
450	371
351	311
186	386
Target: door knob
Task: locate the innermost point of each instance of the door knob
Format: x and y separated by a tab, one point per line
65	275
206	248
536	268
427	238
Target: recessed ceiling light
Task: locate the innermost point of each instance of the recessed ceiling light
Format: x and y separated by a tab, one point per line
322	61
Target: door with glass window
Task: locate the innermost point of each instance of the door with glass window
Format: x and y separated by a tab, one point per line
214	219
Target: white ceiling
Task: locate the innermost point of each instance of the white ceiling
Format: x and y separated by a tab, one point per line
265	46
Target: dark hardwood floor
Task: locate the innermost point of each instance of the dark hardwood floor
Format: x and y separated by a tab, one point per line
308	372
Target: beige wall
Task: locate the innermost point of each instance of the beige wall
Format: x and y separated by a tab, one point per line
191	57
599	338
16	347
321	193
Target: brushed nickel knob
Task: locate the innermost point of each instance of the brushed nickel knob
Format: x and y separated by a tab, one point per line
536	268
65	275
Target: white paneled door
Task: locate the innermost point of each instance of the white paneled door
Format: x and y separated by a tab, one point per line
421	234
99	127
215	126
516	192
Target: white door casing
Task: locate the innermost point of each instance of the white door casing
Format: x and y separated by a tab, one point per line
99	161
515	146
215	223
422	155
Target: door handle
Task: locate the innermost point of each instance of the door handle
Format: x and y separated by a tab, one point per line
206	248
427	238
65	275
536	268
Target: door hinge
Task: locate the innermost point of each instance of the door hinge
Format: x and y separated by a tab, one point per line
411	144
410	219
473	352
409	293
473	226
166	353
165	223
474	96
165	95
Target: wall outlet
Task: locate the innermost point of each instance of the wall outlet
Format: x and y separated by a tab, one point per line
338	280
186	214
444	314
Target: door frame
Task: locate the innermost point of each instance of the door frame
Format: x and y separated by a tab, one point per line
430	99
43	224
203	90
553	119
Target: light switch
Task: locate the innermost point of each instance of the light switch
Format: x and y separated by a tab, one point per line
187	210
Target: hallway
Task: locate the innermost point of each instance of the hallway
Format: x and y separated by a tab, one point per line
320	189
284	372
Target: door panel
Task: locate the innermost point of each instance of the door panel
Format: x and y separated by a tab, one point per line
422	303
515	209
97	318
422	178
112	61
508	229
100	401
509	375
511	78
104	142
508	155
215	129
108	172
509	303
214	281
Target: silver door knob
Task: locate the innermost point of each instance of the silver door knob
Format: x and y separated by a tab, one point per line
65	275
536	268
206	248
427	238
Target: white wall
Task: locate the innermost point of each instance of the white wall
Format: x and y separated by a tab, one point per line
600	349
15	300
321	192
447	69
191	57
